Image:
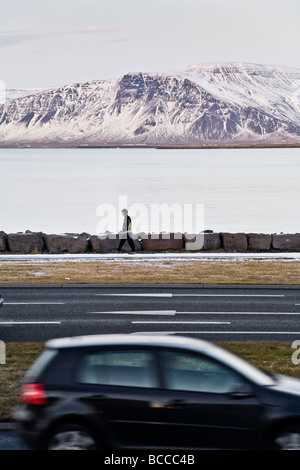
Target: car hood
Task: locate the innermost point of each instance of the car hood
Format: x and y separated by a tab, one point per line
284	383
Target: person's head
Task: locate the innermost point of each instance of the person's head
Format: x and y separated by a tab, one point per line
124	212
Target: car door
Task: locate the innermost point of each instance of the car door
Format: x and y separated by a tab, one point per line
122	385
207	405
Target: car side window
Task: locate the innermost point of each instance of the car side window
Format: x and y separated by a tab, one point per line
119	368
196	373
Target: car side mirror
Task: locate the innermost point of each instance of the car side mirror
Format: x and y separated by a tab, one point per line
242	391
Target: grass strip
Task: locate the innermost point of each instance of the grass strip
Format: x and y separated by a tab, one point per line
220	271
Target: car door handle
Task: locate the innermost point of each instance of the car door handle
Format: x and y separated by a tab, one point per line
173	404
97	397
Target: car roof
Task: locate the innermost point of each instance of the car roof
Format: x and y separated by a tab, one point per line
129	340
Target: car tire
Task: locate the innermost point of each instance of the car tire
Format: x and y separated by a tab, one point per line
71	437
288	438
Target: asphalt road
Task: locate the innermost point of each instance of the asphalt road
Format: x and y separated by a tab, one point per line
9	440
212	313
226	314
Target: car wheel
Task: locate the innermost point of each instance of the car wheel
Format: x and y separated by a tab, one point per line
71	437
288	438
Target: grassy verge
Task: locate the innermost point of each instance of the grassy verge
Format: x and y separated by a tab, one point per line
222	271
270	356
19	356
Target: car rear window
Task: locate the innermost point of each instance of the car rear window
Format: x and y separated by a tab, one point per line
119	368
40	364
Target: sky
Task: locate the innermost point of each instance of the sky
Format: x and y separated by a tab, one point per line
47	43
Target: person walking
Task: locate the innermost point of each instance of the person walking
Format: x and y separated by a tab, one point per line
126	232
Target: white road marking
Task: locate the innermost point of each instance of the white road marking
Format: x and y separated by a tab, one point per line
218	332
174	312
136	295
34	303
228	295
184	322
190	295
237	313
30	323
145	312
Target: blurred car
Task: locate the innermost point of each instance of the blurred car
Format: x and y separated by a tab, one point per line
1	301
130	391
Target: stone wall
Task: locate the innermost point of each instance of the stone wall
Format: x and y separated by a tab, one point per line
38	242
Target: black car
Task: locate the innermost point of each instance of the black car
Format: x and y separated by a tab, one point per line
161	392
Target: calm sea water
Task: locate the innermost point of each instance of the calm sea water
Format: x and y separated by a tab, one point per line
61	190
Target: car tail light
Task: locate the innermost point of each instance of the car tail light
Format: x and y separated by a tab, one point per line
34	394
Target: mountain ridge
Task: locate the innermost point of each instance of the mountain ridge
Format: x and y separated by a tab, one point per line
225	104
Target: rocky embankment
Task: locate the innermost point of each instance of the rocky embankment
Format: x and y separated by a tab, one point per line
37	242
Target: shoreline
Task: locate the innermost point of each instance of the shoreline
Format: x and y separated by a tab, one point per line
208	146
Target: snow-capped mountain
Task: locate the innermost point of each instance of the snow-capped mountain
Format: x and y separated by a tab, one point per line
224	104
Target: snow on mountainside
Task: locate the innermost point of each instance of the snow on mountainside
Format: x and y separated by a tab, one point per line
220	104
275	89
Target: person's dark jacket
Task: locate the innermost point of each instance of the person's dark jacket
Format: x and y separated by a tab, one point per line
126	227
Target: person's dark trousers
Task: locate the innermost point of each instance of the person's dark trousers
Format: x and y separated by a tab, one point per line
123	240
